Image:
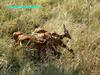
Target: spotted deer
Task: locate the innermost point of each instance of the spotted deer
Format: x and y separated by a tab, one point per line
42	40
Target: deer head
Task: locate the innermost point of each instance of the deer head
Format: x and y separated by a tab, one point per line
66	33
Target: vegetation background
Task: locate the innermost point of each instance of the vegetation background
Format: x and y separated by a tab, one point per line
82	19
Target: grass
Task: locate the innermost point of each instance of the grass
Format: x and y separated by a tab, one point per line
82	19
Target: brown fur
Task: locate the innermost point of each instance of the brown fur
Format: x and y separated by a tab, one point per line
42	40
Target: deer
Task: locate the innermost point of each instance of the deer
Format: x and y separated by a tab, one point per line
41	39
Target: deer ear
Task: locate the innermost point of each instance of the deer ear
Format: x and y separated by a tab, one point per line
65	30
64	25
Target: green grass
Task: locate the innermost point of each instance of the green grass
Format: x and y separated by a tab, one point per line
82	19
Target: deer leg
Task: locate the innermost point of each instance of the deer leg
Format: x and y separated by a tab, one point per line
28	43
70	50
20	43
38	55
54	50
